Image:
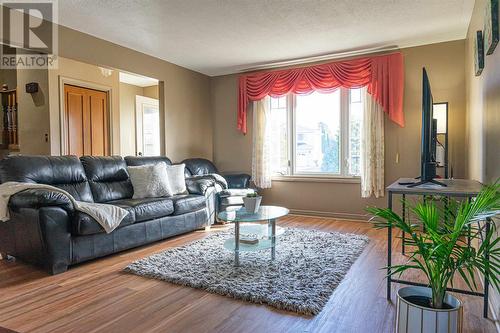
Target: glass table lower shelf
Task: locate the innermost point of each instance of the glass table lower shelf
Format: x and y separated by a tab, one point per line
261	231
263	244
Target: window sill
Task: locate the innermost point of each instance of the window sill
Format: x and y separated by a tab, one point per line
317	179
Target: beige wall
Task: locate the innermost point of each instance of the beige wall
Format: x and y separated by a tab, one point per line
33	109
483	118
90	74
151	92
8	77
444	62
122	102
188	120
33	113
483	107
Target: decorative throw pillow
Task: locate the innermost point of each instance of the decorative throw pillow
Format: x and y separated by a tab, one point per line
150	181
176	178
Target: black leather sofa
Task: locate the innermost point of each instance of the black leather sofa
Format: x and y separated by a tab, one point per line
45	230
238	184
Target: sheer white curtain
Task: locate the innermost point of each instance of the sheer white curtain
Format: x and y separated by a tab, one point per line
261	155
372	149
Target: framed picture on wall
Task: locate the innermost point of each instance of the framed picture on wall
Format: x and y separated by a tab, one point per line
479	53
491	26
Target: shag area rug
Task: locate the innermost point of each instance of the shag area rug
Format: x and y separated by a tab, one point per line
309	266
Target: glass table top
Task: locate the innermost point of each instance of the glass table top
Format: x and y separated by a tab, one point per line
264	213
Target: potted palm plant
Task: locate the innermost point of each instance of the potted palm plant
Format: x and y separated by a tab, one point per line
440	250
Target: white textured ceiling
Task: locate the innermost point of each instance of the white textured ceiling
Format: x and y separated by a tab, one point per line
218	37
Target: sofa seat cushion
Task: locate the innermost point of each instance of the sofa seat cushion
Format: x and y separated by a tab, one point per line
84	224
236	192
187	203
146	208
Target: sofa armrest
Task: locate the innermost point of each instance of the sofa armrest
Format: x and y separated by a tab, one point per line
38	198
200	186
38	236
240	180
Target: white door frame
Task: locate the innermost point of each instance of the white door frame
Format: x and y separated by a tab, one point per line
62	115
139	102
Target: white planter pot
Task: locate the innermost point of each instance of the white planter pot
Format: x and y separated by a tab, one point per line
414	318
252	204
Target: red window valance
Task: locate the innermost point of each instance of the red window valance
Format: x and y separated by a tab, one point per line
383	75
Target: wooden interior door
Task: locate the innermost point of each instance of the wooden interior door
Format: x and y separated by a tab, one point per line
87	121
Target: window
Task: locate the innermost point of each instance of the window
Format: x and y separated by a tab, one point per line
317	134
279	132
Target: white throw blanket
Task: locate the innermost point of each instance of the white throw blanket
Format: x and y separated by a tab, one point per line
108	216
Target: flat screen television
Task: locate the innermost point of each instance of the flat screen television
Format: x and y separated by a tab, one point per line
429	137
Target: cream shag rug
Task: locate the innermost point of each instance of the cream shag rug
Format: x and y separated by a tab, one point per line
309	266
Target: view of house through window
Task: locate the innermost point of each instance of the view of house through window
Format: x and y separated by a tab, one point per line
317	134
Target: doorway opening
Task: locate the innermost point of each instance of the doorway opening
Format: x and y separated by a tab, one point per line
147	120
140	116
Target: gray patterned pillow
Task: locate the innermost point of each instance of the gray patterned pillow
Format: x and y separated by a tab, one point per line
149	181
176	178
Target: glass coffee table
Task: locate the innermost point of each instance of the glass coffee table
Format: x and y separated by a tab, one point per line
246	223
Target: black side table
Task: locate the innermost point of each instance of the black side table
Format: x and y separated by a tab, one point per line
459	188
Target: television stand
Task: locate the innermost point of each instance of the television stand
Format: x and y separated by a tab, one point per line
432	181
460	188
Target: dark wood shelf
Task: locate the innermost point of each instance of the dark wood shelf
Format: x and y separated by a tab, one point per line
7	91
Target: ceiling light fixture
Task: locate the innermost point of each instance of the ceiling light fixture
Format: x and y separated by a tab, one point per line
106	72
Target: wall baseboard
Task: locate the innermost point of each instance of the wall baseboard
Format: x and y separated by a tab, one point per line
340	216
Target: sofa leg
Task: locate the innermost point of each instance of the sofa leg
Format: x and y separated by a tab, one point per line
7	257
57	269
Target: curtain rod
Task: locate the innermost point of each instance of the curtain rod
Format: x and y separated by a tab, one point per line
331	56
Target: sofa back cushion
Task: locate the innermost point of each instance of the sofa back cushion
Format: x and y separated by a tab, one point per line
199	166
64	172
108	177
146	160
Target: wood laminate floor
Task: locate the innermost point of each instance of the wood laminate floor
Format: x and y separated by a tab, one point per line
99	297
